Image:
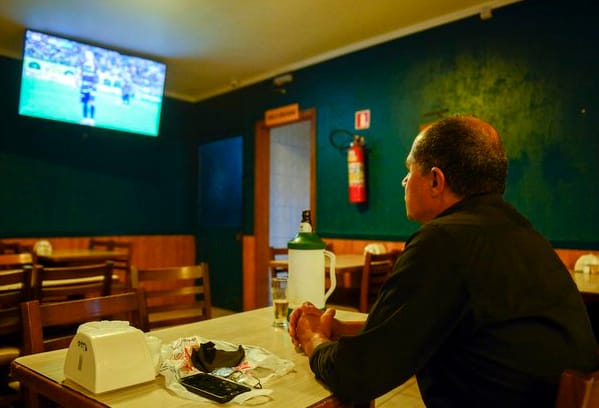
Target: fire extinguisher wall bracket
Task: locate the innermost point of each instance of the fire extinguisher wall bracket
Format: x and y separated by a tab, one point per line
356	170
341	139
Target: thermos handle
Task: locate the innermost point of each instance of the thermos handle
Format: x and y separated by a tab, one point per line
332	275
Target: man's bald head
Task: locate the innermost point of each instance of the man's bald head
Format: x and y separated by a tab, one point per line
468	150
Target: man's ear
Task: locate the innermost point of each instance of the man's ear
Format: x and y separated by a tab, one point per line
437	180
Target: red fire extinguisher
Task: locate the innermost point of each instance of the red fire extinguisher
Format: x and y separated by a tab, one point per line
355	169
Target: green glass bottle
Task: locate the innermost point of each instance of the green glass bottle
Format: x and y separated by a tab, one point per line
306	276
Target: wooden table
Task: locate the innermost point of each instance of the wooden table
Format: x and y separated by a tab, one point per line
73	256
43	372
348	268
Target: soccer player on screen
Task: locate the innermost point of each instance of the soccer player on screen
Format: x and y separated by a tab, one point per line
126	88
88	87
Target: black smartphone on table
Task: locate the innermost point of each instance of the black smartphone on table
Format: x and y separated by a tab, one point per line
213	387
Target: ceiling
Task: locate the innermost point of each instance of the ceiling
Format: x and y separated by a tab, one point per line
214	46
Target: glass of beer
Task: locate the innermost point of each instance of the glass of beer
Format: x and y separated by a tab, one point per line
280	303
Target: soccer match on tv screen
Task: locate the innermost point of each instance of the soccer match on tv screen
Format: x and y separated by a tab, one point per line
70	81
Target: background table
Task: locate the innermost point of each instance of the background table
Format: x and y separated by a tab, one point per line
348	268
72	256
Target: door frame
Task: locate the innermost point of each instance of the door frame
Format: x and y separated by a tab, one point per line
256	284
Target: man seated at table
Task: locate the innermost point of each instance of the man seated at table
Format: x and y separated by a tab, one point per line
479	307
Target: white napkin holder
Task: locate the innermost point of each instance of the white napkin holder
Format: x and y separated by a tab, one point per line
107	355
43	248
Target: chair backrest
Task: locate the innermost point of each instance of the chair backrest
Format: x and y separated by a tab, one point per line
15	287
375	248
122	262
40	317
275	255
578	390
377	268
174	295
72	282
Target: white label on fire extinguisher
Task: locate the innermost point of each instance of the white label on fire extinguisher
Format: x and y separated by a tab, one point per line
362	119
355	173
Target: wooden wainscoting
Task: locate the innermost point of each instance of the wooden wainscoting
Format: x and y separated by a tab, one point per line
149	251
356	246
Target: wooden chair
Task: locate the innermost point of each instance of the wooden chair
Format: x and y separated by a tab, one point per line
578	390
174	295
72	282
375	248
121	263
39	317
15	287
277	254
377	268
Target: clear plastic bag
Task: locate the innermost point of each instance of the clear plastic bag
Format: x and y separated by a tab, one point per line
258	362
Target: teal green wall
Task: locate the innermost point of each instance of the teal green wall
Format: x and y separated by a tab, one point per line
531	71
66	180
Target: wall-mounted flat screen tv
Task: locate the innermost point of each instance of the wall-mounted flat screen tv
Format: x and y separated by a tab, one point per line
71	81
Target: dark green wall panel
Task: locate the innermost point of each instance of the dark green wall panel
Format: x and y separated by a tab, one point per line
530	70
60	179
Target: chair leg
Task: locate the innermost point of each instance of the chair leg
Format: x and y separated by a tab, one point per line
32	399
9	396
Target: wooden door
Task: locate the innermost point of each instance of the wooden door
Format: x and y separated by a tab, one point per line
220	218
